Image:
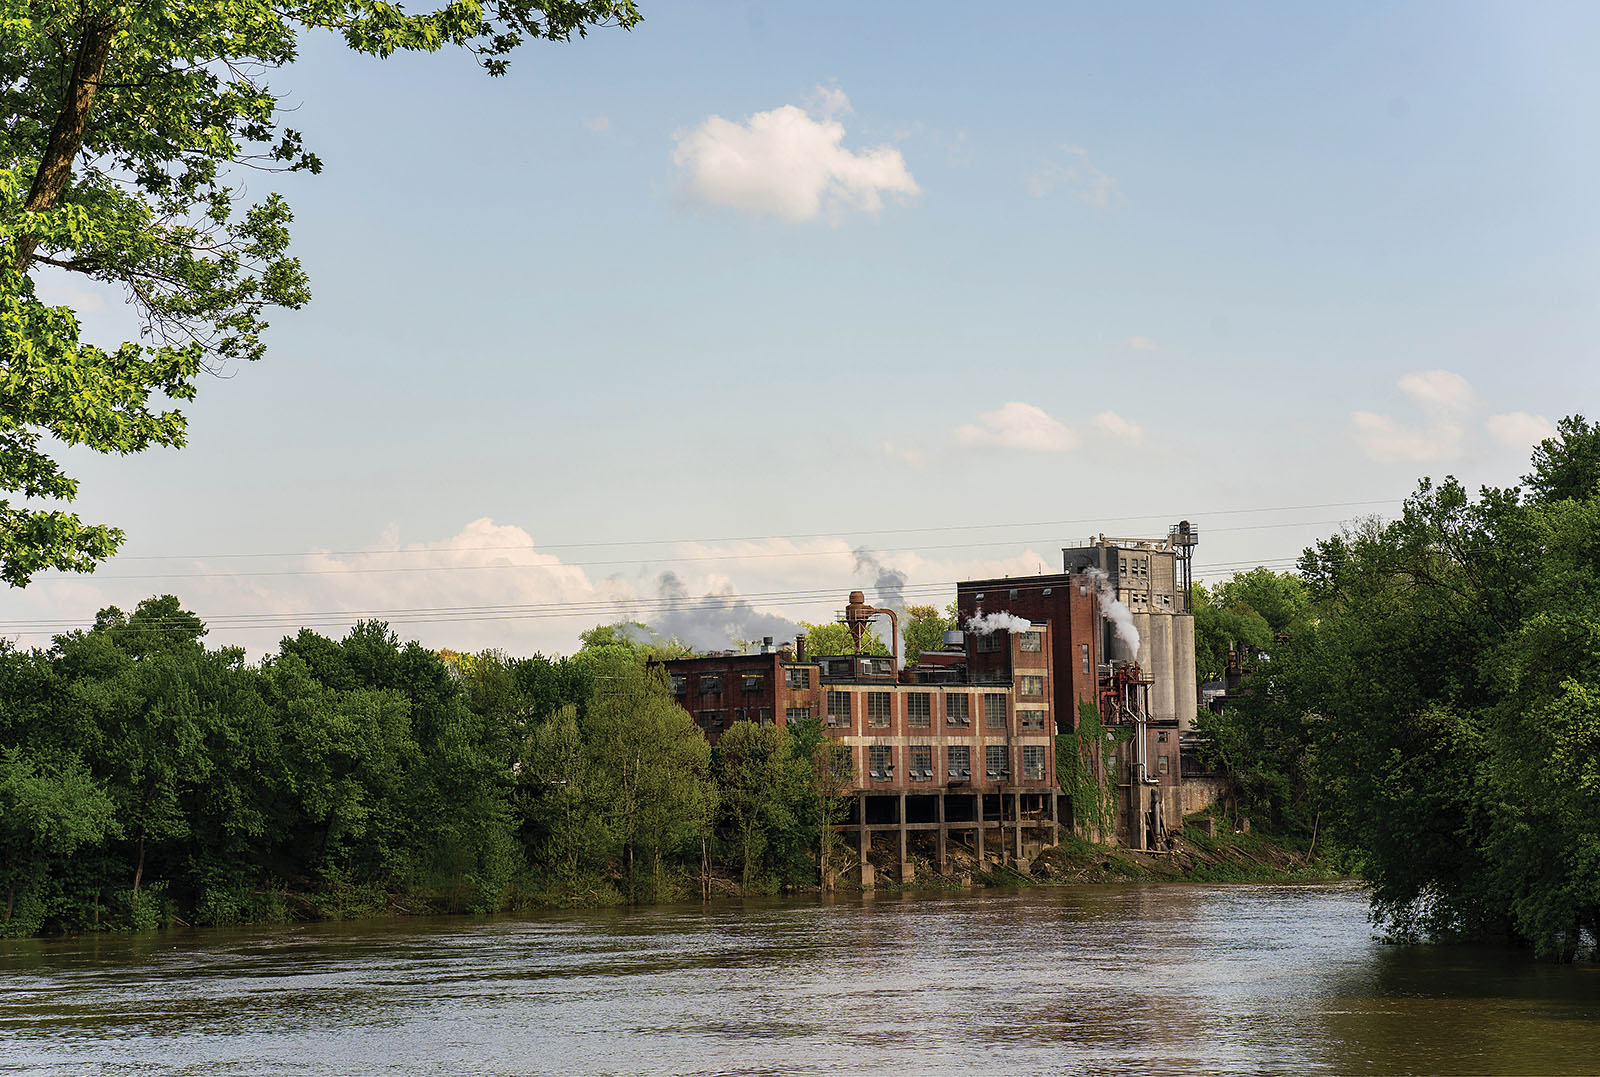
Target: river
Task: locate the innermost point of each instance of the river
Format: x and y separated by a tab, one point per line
1140	979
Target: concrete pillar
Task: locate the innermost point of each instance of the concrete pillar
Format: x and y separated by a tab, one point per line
944	834
907	873
1016	819
978	802
1055	818
864	843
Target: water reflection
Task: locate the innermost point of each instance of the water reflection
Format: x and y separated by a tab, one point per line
1162	979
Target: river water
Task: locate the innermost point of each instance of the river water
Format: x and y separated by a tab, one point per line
1146	979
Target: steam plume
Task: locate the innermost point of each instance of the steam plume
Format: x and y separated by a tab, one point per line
712	622
982	623
1119	615
890	583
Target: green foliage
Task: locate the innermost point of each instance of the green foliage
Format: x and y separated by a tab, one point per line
924	631
127	129
1245	614
1084	770
1439	713
833	638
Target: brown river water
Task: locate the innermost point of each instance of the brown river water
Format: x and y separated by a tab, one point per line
1104	979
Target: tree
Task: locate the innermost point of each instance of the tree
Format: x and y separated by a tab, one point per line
925	629
126	127
832	638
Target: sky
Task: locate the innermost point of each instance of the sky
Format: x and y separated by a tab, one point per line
772	302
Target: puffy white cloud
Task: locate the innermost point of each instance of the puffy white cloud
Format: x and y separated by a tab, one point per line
1520	429
788	163
1444	397
1142	344
1018	426
1117	426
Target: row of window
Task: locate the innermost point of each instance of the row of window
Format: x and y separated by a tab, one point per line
919	710
991	642
958	762
712	721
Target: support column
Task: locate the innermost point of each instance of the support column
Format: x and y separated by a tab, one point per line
944	834
864	843
907	872
978	802
1016	818
1055	817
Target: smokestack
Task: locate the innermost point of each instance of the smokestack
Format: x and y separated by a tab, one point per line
766	644
799	646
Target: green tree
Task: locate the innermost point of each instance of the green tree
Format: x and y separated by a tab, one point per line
127	125
759	785
46	814
924	631
832	638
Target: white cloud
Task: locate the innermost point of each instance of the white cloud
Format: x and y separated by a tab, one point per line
1018	426
1142	344
1444	397
1117	426
789	164
598	123
1520	429
1082	181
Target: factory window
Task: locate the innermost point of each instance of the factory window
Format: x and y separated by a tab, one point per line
1161	764
1048	591
988	642
1014	594
838	708
796	714
996	765
763	715
1031	686
878	710
1032	641
958	710
958	762
680	684
1033	762
994	710
841	763
919	710
922	763
878	765
753	682
710	721
711	684
1031	719
797	678
1084	647
1162	736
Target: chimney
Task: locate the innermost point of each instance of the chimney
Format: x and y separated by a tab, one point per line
766	644
799	646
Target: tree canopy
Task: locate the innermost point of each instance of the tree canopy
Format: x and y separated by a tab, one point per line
126	127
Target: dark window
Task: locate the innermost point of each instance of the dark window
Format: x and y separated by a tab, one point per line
989	642
1033	762
710	721
838	708
958	761
1031	686
762	715
922	763
878	710
1162	736
1030	719
680	684
919	709
1032	641
958	710
796	714
878	766
994	710
1014	593
996	765
711	684
753	682
798	678
1161	764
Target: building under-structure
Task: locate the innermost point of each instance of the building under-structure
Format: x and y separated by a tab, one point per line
961	747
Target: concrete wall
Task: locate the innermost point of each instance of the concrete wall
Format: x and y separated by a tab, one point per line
1198	794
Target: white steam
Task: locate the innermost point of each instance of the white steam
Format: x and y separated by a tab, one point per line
982	623
1118	614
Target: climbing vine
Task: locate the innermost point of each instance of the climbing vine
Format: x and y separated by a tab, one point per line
1083	770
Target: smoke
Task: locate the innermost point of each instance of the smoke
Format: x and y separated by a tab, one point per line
1119	615
890	583
982	624
711	622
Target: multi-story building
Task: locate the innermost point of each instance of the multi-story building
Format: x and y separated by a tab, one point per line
960	748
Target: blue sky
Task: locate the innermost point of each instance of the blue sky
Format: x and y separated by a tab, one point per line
800	273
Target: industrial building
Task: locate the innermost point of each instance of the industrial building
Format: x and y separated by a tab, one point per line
961	747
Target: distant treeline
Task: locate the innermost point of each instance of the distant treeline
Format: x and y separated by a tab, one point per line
1425	696
147	779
